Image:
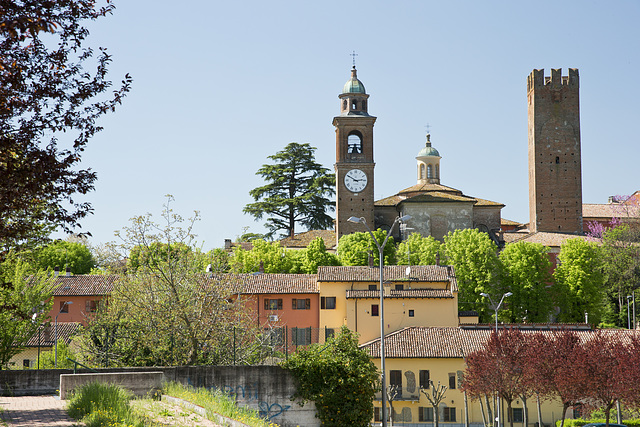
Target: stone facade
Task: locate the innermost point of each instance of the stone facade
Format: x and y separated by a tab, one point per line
555	177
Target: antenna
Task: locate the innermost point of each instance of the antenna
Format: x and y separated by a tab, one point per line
353	56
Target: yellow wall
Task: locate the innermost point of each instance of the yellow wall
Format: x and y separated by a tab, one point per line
439	370
356	312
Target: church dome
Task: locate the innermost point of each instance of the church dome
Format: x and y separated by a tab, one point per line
353	85
428	150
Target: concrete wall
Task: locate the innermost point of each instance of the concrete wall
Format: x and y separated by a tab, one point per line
139	383
267	389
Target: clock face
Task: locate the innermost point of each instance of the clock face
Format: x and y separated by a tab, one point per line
355	180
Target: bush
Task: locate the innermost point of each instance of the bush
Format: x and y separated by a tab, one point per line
98	405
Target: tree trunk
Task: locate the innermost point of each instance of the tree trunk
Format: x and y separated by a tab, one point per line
565	406
540	423
525	416
489	412
466	410
619	412
484	415
509	413
436	417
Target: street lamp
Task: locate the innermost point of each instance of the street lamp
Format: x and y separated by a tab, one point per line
508	294
55	333
381	254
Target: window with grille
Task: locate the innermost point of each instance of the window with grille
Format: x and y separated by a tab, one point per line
425	413
328	303
301	303
273	304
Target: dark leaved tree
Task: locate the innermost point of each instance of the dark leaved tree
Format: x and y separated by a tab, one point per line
49	107
297	191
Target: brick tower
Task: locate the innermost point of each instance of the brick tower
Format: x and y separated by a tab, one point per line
354	158
555	176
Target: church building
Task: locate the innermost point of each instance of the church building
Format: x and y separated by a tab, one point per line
435	208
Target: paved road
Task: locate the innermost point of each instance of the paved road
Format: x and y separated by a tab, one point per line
35	411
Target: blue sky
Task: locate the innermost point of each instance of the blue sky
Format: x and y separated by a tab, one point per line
219	86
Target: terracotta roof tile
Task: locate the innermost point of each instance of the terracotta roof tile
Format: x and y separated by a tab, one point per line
405	293
418	273
302	240
505	221
85	284
45	336
450	342
608	211
277	283
544	238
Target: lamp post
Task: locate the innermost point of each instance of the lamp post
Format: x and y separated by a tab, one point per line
508	294
381	255
628	312
55	333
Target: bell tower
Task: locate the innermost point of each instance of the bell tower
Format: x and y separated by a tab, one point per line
354	158
555	176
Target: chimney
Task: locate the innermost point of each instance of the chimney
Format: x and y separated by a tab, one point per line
227	244
261	269
438	258
56	272
370	259
68	271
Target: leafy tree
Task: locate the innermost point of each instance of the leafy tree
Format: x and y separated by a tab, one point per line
25	301
297	191
48	358
169	311
580	281
316	255
474	257
49	108
270	255
63	254
339	377
526	274
423	250
355	249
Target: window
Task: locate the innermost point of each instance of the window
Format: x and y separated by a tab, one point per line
395	379
424	379
90	306
452	381
354	143
328	303
64	307
301	336
516	415
557	160
411	313
399	287
274	336
449	415
25	363
437	171
374	310
373	288
301	304
329	333
273	304
377	413
421	173
429	171
425	413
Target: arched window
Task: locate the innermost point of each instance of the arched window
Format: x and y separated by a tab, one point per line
429	172
354	143
344	104
421	172
354	105
438	171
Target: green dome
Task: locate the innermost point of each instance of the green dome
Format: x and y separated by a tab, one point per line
428	150
353	85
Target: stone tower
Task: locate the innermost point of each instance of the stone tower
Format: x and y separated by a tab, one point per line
555	176
354	158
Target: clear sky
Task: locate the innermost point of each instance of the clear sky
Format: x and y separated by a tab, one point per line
219	86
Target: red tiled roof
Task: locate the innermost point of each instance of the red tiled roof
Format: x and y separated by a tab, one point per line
405	293
302	240
542	237
85	284
418	273
45	336
277	283
451	342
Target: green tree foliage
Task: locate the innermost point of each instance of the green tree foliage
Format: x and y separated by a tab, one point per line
316	255
297	191
474	258
169	311
48	358
526	273
579	281
64	254
274	258
50	102
423	250
355	248
339	378
621	257
25	301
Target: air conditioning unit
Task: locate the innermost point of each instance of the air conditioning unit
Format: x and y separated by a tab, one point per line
273	318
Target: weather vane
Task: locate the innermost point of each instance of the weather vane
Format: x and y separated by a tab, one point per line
353	55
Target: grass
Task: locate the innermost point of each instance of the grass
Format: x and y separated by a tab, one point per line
215	401
104	405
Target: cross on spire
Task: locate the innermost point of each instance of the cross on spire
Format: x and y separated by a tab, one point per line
428	126
353	56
